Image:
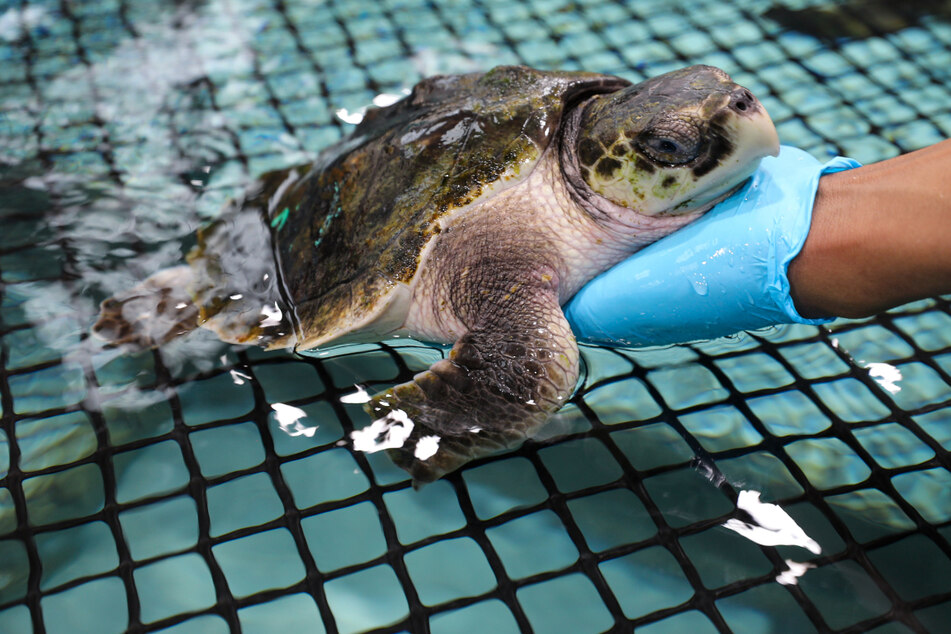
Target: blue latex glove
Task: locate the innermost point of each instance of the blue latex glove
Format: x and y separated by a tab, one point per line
724	273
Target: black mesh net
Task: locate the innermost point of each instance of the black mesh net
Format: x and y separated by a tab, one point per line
206	488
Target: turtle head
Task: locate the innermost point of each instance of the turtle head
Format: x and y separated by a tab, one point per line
674	144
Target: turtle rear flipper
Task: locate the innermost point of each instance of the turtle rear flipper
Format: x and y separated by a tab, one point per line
501	382
150	313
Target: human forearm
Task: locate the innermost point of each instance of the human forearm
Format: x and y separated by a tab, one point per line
880	237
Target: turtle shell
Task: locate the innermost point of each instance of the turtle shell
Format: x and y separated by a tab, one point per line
349	230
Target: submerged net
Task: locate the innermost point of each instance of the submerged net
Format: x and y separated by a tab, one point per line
208	488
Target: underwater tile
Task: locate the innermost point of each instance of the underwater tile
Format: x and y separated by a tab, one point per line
844	593
308	111
884	110
207	624
807	139
937	424
217	398
687	385
367	599
137	415
56	440
914	566
329	475
220	450
817	526
532	544
68	494
766	608
348	370
691	621
291	613
171	586
115	372
646	580
344	537
870	514
254	116
16	570
503	485
789	413
920	385
612	518
8	518
246	501
41	343
21	232
97	606
579	464
261	561
582	44
565	604
622	401
692	43
448	570
916	134
722	557
292	434
892	445
603	363
652	446
874	344
487	616
720	427
936	617
151	470
80	551
929	491
661	358
828	462
685	496
288	381
432	510
850	400
37	263
178	518
814	360
17	619
50	388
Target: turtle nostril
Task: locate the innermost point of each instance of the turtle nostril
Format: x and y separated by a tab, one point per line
742	100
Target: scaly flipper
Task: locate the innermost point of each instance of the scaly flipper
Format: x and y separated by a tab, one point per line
501	382
150	313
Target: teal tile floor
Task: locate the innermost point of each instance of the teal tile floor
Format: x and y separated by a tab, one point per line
208	488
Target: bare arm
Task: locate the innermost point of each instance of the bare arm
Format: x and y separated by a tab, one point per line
880	237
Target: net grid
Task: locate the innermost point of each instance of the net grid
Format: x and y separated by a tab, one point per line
661	38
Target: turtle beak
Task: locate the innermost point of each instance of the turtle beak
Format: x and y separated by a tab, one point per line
754	129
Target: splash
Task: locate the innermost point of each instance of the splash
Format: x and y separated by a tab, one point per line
289	417
885	375
360	396
771	526
390	432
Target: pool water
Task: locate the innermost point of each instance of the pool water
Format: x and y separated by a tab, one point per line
203	487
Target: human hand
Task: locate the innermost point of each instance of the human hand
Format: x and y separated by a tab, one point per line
724	273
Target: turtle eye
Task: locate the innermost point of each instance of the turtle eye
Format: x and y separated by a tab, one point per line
665	149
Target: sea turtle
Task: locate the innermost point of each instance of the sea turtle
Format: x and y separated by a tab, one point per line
466	213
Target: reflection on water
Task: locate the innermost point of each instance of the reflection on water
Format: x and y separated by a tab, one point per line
107	168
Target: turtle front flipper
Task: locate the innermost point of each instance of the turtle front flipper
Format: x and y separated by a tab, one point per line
151	313
501	382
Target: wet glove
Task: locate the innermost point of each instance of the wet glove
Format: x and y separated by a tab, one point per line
724	273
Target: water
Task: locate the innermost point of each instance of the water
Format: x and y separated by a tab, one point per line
205	487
